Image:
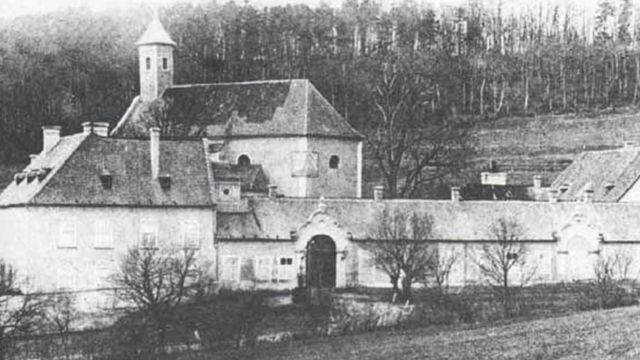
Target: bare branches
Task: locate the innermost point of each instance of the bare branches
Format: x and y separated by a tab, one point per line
401	247
498	258
412	144
156	281
21	313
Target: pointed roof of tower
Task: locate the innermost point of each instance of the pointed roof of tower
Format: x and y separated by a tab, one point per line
155	34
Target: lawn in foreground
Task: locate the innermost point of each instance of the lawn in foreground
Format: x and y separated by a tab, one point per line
608	334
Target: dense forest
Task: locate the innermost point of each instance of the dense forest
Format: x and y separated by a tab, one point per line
477	61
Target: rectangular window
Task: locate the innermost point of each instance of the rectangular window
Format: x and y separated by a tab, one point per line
67	235
103	235
191	234
148	234
230	268
147	62
285	270
165	63
263	268
247	270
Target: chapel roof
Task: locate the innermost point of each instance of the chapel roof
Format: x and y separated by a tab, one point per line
268	108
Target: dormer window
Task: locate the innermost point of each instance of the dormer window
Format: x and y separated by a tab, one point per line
32	175
564	187
609	186
165	63
165	181
243	160
147	62
42	173
19	177
334	162
106	180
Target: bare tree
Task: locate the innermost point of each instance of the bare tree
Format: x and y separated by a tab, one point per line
499	258
609	271
156	282
21	313
61	315
440	268
401	246
412	143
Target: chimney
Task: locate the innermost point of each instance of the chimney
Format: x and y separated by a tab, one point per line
537	181
273	190
587	196
378	192
455	194
33	158
86	127
50	137
101	128
154	151
553	195
98	128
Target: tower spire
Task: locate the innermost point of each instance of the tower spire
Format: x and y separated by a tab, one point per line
155	55
155	33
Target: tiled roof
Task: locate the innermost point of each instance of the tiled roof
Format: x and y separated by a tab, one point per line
252	177
610	173
463	221
259	108
155	34
77	162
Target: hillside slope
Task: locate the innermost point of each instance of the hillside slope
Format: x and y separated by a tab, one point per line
541	145
610	334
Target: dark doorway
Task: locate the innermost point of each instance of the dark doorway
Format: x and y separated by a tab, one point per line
321	262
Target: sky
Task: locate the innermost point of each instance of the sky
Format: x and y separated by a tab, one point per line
13	8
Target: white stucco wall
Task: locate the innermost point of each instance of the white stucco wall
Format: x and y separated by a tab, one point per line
344	181
39	253
263	264
276	155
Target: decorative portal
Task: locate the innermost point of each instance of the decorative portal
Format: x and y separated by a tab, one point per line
321	262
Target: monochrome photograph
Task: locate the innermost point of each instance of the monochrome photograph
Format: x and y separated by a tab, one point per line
319	179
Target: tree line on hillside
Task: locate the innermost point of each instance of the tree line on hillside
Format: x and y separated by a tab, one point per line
473	61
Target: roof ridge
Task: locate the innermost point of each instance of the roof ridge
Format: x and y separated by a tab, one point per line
252	82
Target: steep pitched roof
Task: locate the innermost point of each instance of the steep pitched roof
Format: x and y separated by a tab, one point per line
77	162
155	34
463	221
245	109
609	173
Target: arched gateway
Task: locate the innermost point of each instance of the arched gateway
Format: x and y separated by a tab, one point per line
321	262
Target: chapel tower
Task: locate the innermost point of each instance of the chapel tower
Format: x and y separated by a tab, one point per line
155	57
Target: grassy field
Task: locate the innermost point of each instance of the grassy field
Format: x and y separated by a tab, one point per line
610	334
